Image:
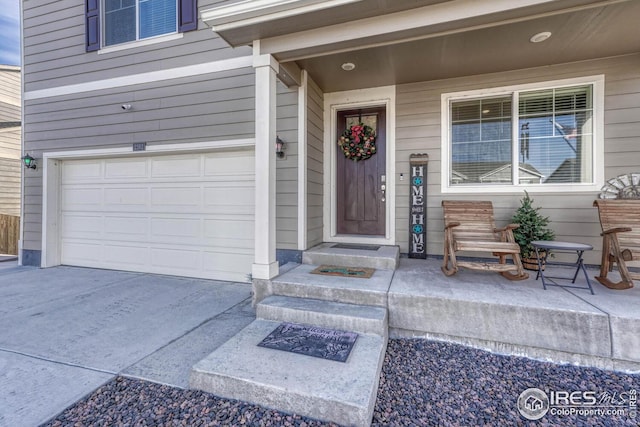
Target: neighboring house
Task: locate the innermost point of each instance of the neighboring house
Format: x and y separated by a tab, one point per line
493	173
155	138
10	142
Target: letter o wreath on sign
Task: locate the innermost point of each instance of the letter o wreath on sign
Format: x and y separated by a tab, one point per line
358	142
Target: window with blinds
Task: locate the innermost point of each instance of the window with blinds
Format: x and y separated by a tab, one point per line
533	137
130	20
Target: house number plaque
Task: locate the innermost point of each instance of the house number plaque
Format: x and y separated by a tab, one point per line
417	206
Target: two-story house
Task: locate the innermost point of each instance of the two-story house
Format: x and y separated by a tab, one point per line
154	123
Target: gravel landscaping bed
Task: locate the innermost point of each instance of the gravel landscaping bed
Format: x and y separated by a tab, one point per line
423	383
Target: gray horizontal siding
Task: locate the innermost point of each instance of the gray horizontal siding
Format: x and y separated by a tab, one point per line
202	108
572	215
54	48
287	169
315	141
216	106
10	186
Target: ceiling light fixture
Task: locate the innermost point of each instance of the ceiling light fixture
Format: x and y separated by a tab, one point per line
348	66
540	37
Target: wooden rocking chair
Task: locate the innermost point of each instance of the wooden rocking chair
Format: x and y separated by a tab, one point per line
620	221
470	226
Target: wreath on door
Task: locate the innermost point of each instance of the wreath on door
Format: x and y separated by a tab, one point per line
358	142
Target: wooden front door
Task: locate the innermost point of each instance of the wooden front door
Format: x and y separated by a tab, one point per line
361	185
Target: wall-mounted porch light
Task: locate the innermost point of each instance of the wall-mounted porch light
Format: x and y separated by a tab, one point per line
280	146
29	162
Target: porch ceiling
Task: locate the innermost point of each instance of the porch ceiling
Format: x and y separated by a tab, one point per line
578	34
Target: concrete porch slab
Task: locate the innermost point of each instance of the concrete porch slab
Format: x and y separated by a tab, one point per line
334	315
486	307
344	393
299	282
623	309
384	258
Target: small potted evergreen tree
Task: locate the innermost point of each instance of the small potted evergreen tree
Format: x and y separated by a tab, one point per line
533	226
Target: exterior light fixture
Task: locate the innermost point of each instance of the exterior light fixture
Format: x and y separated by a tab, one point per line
280	144
540	37
29	162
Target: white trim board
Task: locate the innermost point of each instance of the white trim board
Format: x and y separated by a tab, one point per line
250	12
303	94
380	96
135	79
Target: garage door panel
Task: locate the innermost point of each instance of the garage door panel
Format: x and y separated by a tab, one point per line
228	262
229	229
126	168
221	199
81	171
127	256
126	228
179	230
81	226
176	167
84	252
176	260
189	215
126	198
171	197
229	165
83	198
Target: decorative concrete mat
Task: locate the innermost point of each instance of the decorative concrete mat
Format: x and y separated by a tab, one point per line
336	270
313	341
355	247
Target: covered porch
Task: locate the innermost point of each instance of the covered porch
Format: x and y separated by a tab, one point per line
317	62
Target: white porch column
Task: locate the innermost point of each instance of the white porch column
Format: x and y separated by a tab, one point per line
265	265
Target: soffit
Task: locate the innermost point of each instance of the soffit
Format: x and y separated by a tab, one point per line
598	32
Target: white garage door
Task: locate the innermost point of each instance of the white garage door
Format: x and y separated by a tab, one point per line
188	215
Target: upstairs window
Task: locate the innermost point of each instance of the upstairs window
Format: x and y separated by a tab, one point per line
113	22
529	137
129	20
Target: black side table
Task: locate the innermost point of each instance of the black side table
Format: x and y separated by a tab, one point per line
549	246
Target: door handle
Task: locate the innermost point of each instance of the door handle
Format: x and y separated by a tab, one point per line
383	189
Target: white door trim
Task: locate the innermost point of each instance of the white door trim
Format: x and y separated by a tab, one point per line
51	181
380	96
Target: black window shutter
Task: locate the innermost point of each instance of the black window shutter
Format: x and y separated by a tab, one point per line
93	25
188	15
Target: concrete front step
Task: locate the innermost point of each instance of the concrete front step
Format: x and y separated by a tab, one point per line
383	258
344	393
300	282
363	319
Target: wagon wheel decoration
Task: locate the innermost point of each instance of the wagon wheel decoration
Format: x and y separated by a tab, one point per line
622	187
358	142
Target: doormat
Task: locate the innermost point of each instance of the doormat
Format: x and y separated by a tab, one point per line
336	270
313	341
356	247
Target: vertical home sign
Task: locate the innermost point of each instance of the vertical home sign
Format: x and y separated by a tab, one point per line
417	206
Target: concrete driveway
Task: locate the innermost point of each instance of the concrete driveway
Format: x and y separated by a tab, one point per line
65	331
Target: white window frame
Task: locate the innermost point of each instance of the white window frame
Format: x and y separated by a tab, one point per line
175	34
597	83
